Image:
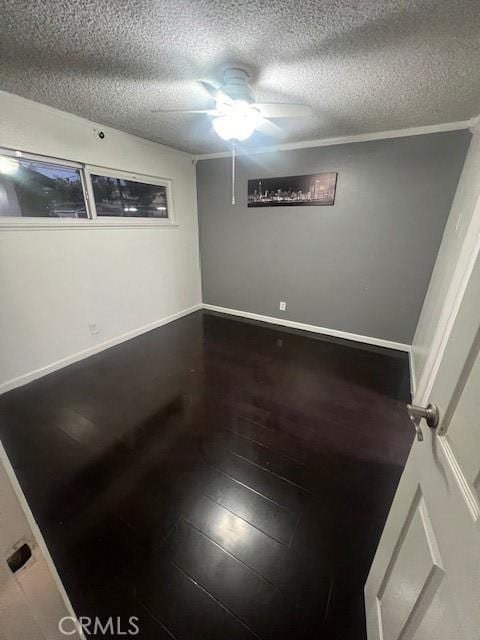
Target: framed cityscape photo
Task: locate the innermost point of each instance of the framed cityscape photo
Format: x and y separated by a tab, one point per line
298	191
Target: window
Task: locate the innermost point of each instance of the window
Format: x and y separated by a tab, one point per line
36	189
117	196
43	193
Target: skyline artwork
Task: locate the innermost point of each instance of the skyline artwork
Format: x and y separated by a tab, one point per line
307	190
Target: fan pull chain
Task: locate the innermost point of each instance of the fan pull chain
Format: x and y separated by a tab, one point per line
233	173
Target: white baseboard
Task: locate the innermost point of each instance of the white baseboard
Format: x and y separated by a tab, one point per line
345	335
80	355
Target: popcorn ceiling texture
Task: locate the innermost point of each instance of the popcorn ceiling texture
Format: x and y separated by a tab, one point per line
363	65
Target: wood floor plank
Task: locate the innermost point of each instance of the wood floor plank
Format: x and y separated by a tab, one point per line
257	550
186	609
271	518
251	598
277	489
281	465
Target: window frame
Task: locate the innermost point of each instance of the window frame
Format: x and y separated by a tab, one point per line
20	222
121	221
92	221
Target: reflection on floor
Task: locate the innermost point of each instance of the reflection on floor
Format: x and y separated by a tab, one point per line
215	478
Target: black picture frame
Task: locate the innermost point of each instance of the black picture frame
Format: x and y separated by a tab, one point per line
311	190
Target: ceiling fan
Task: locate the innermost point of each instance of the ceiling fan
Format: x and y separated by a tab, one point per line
236	115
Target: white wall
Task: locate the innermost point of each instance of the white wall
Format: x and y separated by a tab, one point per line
55	282
447	273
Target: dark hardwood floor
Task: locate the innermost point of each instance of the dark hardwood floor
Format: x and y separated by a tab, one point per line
216	478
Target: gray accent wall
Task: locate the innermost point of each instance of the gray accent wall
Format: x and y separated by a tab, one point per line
360	266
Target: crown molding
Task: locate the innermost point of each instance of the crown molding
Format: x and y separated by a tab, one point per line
362	137
475	125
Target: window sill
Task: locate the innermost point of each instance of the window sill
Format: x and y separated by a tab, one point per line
29	224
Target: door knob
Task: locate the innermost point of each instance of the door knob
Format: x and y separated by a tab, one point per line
429	413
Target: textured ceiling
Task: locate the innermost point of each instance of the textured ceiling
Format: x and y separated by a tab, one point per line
363	65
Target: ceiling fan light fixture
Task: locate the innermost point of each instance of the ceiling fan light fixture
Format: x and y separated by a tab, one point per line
238	122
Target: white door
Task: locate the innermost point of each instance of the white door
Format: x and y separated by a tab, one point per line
32	599
425	579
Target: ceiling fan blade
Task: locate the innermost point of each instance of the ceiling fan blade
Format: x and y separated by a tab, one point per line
210	112
269	128
216	92
210	88
283	110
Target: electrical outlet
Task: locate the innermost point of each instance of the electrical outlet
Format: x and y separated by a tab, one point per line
283	306
93	329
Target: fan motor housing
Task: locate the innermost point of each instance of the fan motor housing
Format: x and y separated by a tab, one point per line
235	84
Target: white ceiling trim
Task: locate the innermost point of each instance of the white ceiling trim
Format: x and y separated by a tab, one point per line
363	137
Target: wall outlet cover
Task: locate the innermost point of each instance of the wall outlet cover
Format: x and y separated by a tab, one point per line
283	306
